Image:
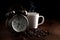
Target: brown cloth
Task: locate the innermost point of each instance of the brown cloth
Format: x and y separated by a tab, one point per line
52	26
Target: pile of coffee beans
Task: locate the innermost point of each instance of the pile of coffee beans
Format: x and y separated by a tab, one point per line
36	33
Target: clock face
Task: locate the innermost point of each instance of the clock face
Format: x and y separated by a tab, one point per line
19	23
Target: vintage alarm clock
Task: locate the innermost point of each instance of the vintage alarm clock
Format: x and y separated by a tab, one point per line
17	20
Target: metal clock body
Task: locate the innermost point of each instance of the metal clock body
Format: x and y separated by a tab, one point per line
18	22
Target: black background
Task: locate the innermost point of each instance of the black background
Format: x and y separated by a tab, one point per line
49	9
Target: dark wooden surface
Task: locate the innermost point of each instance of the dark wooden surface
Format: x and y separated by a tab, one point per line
53	26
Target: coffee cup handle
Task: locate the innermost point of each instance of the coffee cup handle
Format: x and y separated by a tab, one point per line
42	20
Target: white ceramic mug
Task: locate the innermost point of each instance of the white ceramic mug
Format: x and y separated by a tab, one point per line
33	19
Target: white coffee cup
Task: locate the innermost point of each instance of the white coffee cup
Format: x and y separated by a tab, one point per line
33	19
